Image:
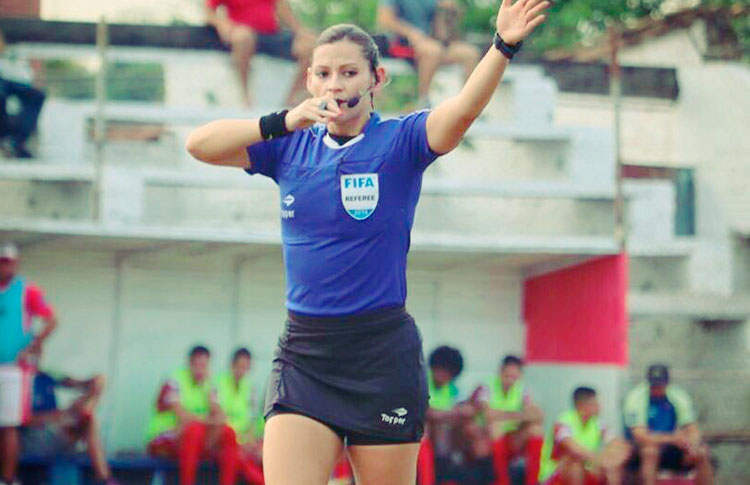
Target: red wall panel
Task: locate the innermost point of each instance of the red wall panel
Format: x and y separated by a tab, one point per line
19	8
578	314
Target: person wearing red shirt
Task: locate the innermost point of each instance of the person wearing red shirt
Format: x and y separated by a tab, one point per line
250	26
20	303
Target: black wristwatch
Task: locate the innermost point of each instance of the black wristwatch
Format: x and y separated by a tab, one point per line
506	49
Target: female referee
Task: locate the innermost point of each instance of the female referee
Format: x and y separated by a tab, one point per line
349	368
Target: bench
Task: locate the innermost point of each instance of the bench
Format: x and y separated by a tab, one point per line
69	469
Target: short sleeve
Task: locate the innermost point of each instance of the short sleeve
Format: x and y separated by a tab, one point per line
169	394
683	408
265	155
214	3
562	432
36	306
413	139
634	409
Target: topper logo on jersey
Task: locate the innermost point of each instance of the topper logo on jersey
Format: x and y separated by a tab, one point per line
359	194
287	213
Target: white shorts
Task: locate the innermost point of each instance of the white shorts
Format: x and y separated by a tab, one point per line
15	395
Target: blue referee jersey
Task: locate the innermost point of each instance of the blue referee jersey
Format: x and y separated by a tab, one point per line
347	211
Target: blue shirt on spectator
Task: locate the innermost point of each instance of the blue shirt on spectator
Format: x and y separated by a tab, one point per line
662	417
419	13
43	399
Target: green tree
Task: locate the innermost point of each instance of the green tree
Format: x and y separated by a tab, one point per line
569	22
574	21
125	81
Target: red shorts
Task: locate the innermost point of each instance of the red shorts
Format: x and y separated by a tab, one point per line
512	444
588	479
164	445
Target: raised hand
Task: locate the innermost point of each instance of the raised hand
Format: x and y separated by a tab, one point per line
311	111
516	20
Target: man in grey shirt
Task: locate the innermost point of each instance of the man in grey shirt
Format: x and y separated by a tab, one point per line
415	25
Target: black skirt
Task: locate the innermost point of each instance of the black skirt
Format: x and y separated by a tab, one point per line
363	373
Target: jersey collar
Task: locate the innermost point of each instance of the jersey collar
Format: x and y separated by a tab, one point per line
332	144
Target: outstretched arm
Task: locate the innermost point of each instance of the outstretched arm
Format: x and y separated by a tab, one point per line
448	122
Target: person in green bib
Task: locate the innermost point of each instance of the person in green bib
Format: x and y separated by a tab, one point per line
188	424
577	450
514	422
238	400
661	424
446	417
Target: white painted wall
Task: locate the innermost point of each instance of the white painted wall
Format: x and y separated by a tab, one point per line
705	128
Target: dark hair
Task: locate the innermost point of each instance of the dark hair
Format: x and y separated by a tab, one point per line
199	350
354	34
448	358
511	360
241	352
582	393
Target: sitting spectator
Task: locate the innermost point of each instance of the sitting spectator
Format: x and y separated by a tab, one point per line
446	454
238	400
250	26
576	451
52	431
187	422
415	24
514	421
660	422
20	102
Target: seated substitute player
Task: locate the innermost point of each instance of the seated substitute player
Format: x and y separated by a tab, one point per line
238	400
444	452
52	431
661	424
577	450
515	423
187	422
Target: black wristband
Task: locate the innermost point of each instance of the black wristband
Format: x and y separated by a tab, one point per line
506	49
274	125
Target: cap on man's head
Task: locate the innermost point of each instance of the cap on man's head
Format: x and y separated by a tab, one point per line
8	251
658	375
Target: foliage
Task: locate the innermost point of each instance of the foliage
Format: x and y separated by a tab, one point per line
125	81
569	22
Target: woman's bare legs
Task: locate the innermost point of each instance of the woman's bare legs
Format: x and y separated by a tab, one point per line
385	464
298	450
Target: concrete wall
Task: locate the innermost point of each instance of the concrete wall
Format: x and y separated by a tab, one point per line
705	128
710	361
